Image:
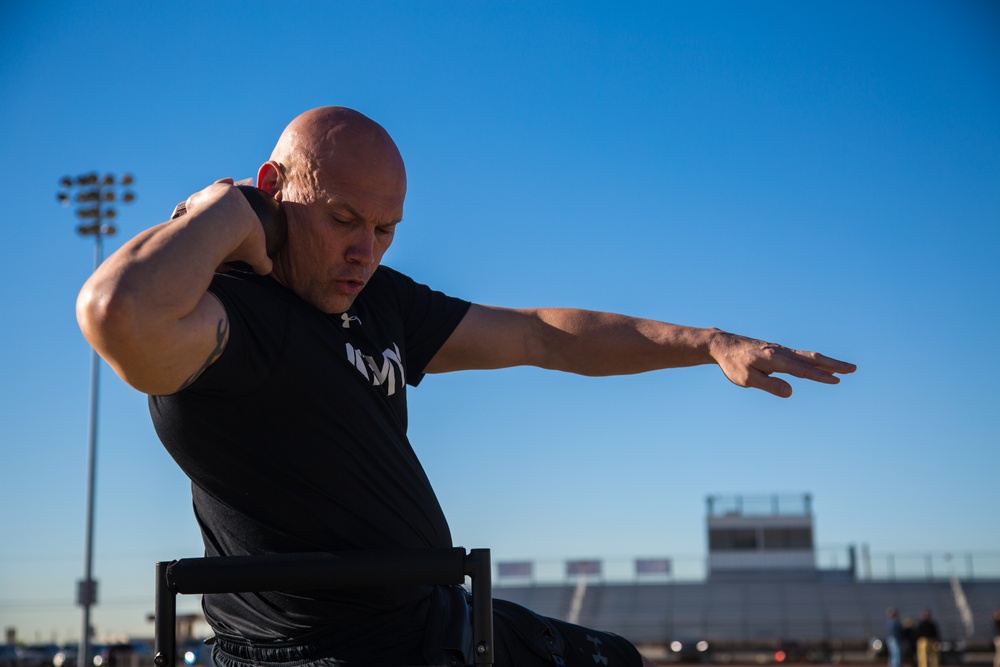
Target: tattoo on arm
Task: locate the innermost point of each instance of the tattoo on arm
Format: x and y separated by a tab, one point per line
221	334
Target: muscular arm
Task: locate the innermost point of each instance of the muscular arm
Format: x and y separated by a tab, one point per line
597	343
147	309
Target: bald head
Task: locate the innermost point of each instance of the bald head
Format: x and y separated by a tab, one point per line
341	184
333	144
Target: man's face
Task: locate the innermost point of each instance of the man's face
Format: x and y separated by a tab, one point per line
341	220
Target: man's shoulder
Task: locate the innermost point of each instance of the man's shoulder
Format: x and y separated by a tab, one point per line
241	280
388	274
239	272
253	298
387	282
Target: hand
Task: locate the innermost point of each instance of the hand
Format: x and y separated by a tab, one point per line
249	248
181	208
749	363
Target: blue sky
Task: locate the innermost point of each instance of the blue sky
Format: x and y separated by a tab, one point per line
824	175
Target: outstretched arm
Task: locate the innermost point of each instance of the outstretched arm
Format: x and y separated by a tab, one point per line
597	343
147	309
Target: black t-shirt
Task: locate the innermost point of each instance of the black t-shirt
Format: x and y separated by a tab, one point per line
295	440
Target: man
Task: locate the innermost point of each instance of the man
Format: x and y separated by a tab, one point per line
996	637
280	391
893	637
928	640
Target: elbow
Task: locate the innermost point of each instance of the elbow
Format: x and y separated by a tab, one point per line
106	319
92	313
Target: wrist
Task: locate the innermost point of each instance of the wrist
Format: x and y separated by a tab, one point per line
714	341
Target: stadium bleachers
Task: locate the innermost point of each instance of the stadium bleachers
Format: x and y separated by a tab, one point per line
800	609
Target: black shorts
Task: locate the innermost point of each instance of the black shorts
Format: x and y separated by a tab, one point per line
522	638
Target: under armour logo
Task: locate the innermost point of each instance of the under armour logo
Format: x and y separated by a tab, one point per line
347	319
597	647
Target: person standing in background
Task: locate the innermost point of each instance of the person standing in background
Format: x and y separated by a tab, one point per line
928	637
893	637
909	642
996	637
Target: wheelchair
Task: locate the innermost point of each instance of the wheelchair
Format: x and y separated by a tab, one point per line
319	571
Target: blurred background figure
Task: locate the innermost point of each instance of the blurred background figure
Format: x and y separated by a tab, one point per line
909	641
996	637
928	638
893	637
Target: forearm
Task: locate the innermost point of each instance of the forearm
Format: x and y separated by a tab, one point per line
572	340
160	274
145	294
597	343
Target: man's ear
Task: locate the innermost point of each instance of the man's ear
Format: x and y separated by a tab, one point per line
271	179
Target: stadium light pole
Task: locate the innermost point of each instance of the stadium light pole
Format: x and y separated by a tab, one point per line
95	199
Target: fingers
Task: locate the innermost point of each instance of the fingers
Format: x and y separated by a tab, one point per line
759	375
827	364
752	363
181	208
811	366
772	385
771	358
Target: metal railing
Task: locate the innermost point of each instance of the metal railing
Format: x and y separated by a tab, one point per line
863	565
324	571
